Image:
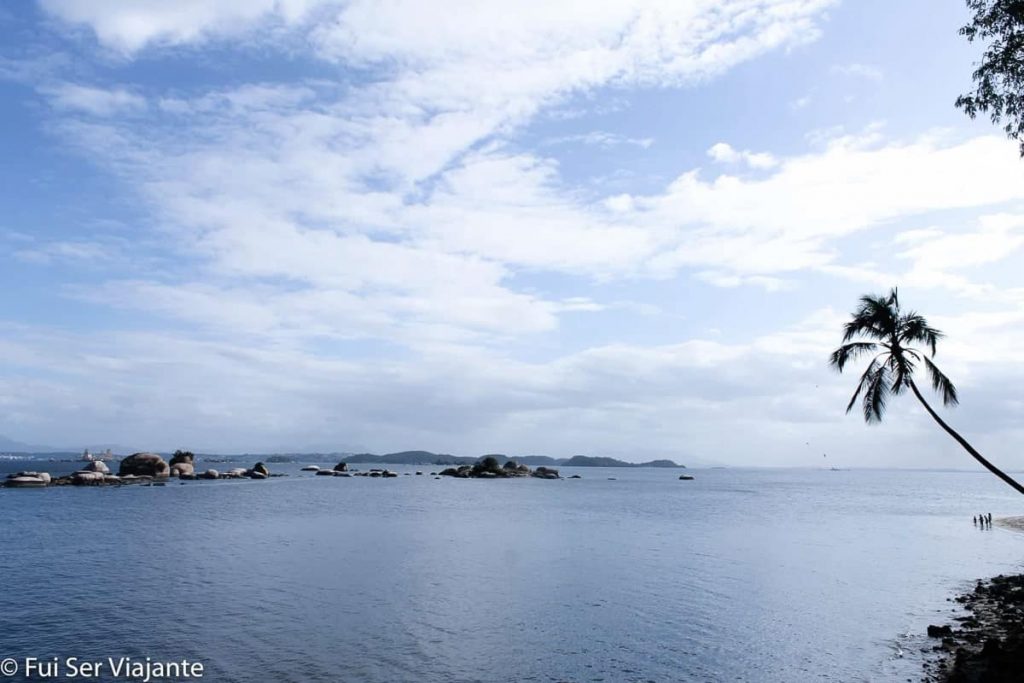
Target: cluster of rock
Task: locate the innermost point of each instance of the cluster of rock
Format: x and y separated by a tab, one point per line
489	468
988	644
341	470
139	468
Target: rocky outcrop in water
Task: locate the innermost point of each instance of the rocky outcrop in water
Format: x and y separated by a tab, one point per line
27	480
144	465
546	473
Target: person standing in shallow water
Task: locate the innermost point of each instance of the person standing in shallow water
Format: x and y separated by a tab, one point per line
989	519
974	520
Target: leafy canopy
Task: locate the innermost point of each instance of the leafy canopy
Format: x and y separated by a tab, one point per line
892	334
999	78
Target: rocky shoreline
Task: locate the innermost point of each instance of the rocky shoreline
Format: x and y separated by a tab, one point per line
987	643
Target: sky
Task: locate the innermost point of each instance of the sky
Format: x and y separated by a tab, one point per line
629	229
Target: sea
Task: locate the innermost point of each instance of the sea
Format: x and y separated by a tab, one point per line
758	575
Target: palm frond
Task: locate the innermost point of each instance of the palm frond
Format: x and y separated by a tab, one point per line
914	329
941	384
865	379
849	352
876	394
902	369
875	318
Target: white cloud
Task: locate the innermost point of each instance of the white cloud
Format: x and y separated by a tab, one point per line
129	27
856	70
95	101
601	139
724	153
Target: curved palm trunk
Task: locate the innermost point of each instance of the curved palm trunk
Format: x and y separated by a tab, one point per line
963	442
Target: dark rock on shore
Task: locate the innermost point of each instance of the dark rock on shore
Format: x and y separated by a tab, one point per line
988	646
259	469
341	467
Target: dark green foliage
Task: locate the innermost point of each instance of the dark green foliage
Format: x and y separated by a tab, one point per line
999	78
891	370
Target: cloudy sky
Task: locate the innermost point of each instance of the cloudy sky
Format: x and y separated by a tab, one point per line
629	229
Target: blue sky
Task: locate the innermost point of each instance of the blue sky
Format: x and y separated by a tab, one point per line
629	230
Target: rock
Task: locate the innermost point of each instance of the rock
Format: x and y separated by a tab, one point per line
183	458
991	648
419	474
342	474
389	473
341	467
546	473
187	476
144	465
16	482
256	475
260	468
210	474
134	479
325	473
183	469
685	477
85	478
236	473
449	472
311	468
111	479
97	466
42	476
939	631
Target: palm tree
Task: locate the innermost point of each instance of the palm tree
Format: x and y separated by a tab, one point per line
891	371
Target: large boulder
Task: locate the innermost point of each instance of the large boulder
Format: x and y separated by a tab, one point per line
341	467
183	469
210	474
183	457
28	480
260	468
546	473
97	466
144	465
236	473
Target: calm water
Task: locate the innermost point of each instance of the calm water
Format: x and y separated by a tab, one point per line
740	575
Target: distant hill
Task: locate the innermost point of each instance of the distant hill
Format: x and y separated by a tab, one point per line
590	461
12	446
428	458
408	458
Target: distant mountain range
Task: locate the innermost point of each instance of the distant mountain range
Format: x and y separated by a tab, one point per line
428	458
402	458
